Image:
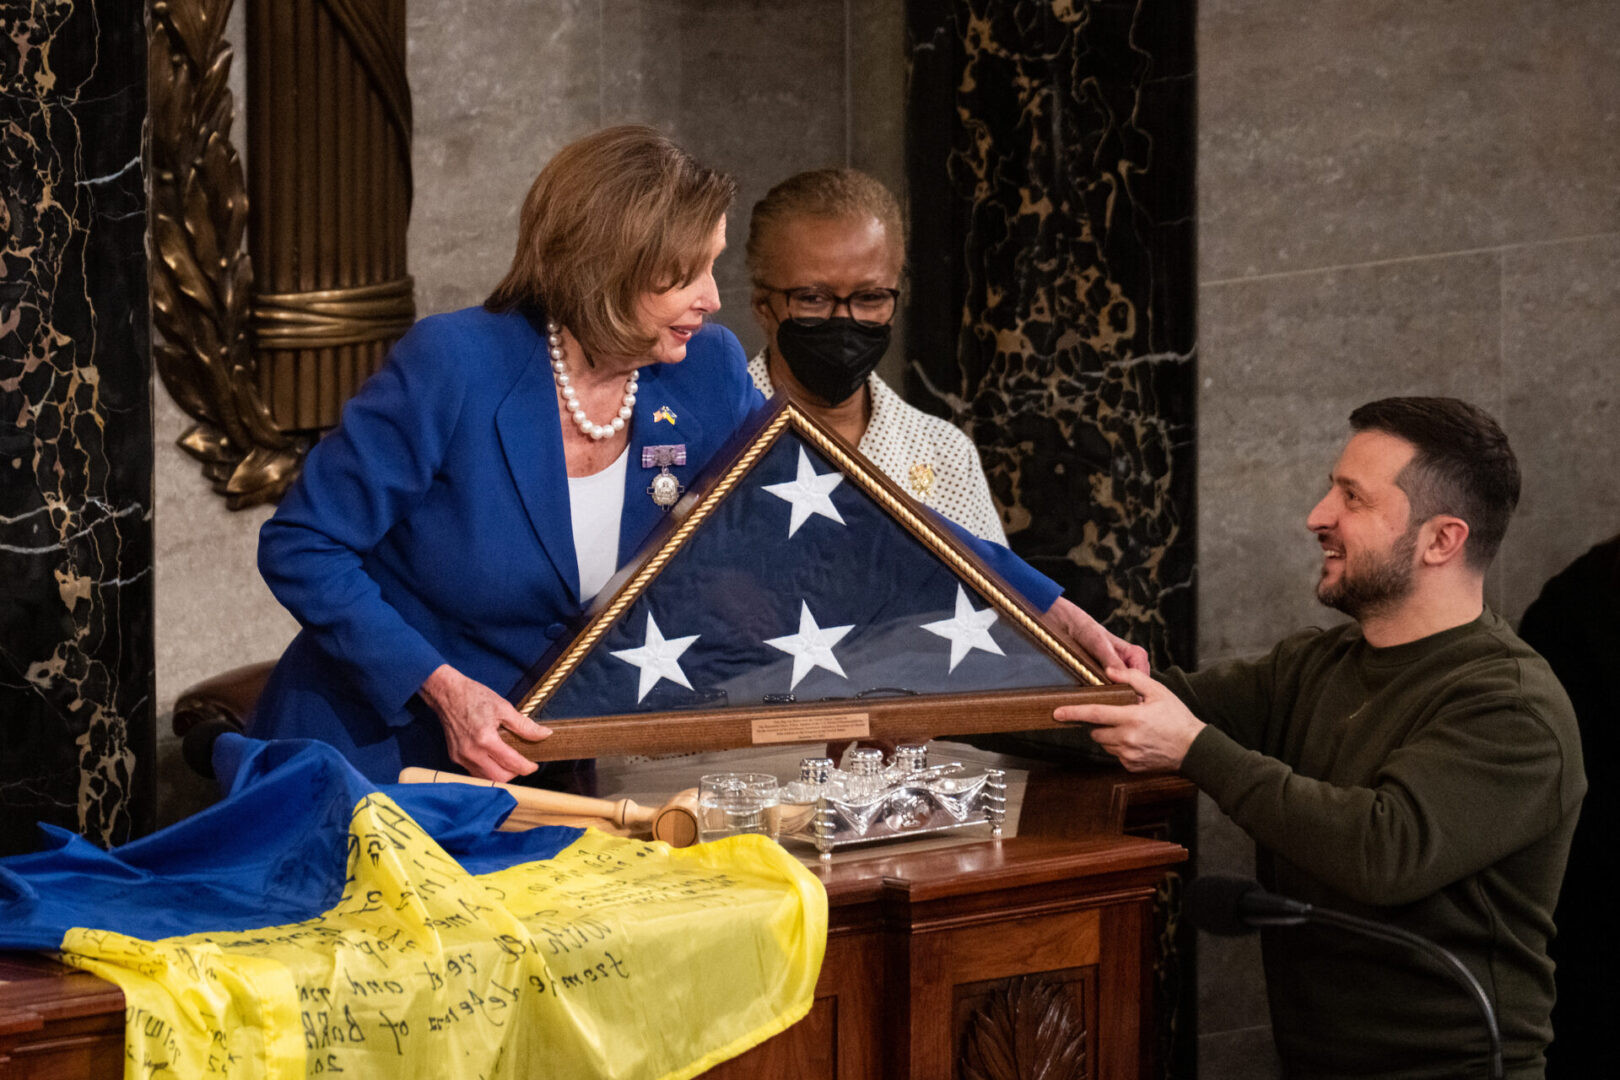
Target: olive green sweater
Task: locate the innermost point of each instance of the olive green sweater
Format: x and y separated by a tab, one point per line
1432	785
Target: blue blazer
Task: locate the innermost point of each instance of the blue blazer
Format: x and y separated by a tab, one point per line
432	526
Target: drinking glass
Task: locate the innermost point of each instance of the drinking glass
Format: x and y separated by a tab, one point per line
732	803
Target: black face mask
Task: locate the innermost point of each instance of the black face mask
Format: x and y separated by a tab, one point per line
831	358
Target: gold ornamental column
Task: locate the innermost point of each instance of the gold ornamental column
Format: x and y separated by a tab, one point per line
329	197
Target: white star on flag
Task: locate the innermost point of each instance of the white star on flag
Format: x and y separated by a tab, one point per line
967	629
812	646
657	658
809	492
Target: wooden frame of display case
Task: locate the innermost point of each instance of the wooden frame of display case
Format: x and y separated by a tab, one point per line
896	719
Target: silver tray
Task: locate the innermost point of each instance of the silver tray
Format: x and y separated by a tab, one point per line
940	799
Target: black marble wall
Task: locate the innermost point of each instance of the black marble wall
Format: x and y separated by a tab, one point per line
1051	148
76	655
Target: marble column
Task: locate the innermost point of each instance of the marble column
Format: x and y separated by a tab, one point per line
1051	315
76	650
1052	284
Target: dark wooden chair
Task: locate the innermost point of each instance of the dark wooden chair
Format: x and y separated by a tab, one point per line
214	706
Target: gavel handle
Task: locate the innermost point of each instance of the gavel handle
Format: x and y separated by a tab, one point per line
624	813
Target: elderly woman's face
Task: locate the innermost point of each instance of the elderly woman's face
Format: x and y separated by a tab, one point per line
676	314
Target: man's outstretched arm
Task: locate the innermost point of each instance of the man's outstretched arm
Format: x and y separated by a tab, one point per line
1482	779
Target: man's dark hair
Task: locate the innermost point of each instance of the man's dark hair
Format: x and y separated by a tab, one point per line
1463	465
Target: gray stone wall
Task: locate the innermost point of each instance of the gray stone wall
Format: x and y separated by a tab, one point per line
1395	198
750	87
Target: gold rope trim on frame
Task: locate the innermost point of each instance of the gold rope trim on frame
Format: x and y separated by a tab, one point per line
916	525
326	318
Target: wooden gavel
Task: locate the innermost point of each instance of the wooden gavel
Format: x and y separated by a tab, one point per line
675	822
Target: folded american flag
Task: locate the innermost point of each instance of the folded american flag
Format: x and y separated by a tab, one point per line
801	586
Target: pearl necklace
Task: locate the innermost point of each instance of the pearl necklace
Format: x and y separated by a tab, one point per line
559	371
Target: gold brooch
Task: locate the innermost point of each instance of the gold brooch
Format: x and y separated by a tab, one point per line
922	478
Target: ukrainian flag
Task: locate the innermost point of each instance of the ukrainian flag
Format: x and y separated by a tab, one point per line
311	923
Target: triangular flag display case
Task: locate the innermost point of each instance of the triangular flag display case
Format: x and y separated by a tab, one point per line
796	594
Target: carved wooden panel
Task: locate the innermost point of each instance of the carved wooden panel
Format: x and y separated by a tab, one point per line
1029	1027
957	973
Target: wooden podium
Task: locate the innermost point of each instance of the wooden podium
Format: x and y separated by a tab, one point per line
1039	955
980	961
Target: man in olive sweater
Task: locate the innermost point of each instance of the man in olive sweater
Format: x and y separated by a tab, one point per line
1420	765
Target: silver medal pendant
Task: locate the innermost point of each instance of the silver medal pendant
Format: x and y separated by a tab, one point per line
665	488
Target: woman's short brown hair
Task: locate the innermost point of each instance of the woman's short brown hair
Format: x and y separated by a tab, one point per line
613	216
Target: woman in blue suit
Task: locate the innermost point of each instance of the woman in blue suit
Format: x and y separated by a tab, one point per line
484	484
489	479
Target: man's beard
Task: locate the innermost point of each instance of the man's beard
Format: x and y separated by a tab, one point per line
1377	585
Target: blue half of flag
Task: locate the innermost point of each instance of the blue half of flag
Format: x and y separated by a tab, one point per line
272	851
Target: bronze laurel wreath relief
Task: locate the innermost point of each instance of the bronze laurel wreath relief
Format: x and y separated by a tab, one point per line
262	352
201	279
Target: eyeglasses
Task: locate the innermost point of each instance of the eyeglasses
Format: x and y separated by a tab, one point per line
811	304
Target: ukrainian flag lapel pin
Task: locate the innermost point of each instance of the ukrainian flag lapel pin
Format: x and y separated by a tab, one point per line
664	413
